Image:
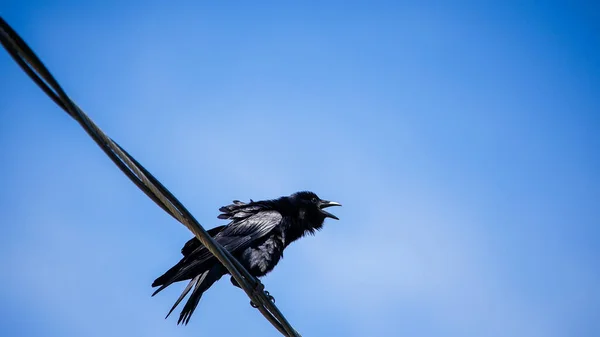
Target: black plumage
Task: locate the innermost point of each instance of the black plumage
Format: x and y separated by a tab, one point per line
256	235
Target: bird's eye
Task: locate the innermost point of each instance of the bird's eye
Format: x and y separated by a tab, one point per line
314	200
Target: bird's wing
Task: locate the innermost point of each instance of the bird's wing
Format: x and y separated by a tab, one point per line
258	221
239	234
236	212
194	243
240	210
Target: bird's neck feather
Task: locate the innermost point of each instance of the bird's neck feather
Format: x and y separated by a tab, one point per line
298	227
299	222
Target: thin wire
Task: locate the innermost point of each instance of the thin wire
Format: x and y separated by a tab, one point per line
33	66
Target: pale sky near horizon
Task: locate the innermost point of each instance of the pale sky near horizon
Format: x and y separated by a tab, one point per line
462	140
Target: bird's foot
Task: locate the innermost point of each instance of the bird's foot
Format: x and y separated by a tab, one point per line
271	298
260	287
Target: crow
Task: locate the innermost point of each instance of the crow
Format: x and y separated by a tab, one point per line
256	236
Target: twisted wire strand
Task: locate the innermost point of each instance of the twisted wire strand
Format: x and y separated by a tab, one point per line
142	178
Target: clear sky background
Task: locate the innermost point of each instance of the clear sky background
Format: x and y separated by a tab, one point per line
461	139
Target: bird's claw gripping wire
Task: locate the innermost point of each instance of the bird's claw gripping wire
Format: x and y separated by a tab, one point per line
271	298
257	290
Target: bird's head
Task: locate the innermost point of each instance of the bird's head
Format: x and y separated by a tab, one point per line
312	207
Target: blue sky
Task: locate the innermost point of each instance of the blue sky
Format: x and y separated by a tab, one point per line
462	140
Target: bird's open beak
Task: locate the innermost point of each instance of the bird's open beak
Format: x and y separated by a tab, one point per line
324	204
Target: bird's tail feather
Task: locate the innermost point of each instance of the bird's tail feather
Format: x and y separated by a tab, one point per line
185	292
169	277
203	282
183	270
186	268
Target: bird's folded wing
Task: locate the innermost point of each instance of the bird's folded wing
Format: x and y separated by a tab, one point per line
239	234
194	243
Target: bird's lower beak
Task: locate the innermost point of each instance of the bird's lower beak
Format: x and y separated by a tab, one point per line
325	204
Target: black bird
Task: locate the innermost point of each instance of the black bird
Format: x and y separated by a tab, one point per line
257	234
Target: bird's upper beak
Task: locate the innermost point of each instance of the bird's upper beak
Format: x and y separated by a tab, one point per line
324	204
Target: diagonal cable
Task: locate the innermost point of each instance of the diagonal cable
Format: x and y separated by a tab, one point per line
143	179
